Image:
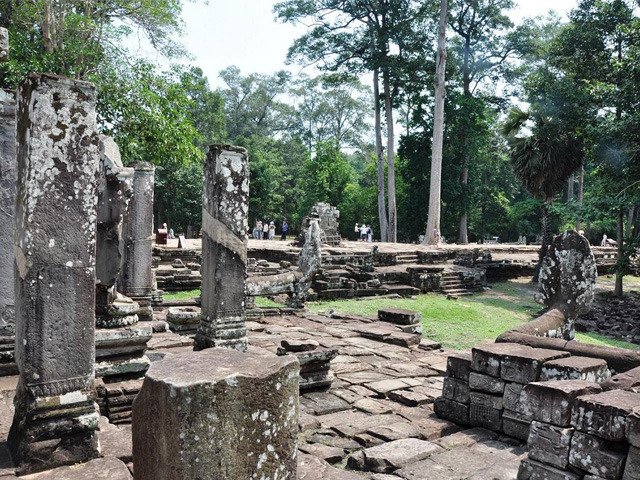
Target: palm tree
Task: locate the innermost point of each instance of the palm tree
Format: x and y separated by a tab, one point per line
543	155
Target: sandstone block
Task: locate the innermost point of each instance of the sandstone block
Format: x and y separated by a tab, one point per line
605	414
629	380
633	428
576	368
590	454
398	454
532	470
454	389
451	410
486	400
511	397
525	367
515	425
485	383
549	444
99	469
632	465
217	414
487	358
399	316
552	402
459	366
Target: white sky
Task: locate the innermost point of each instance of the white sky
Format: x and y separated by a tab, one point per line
221	33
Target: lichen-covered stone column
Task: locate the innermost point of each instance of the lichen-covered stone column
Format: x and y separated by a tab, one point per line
224	248
55	411
8	176
136	276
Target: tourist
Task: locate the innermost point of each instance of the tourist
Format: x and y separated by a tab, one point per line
437	236
603	243
369	233
265	231
257	230
272	230
171	234
285	229
363	232
357	232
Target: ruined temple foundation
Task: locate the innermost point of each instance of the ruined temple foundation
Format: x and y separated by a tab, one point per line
56	416
136	279
217	414
224	249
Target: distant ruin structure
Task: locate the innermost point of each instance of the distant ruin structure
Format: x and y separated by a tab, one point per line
327	217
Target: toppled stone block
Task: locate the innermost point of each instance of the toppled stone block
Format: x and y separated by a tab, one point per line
591	454
315	366
632	465
487	358
485	383
605	414
399	316
451	410
217	414
398	454
629	380
532	470
459	366
454	389
550	444
525	366
551	402
184	320
576	368
515	425
511	397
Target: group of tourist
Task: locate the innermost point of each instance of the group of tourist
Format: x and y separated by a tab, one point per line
267	230
363	232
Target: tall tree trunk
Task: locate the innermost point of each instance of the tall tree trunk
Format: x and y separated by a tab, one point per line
619	272
433	223
391	169
463	233
580	197
382	207
630	217
546	239
570	184
463	236
48	27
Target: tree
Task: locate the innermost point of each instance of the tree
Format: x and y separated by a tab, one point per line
543	160
433	225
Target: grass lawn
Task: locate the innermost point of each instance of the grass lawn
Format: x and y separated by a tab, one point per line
186	295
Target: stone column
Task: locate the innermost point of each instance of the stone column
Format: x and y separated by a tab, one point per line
136	276
55	411
224	248
8	175
217	414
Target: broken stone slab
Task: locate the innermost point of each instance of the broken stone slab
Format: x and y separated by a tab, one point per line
108	468
550	444
485	383
552	402
115	441
451	410
576	368
299	345
532	470
395	431
324	452
605	414
629	380
525	366
633	428
399	316
198	403
459	366
412	397
427	344
457	390
515	425
312	468
488	358
632	465
591	454
397	454
383	387
371	406
111	367
466	438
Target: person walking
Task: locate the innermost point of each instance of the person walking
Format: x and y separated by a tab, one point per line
272	230
369	234
357	232
257	230
265	231
285	229
363	233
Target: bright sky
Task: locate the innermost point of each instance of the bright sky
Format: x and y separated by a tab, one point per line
243	33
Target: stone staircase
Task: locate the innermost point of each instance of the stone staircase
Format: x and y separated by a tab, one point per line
452	285
407	258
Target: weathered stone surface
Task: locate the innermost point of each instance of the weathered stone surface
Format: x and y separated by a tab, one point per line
312	468
4	45
224	248
633	428
511	397
454	389
217	414
629	380
575	368
395	431
8	177
549	444
488	358
525	367
452	410
115	441
459	366
486	400
136	277
515	425
605	414
481	415
397	454
299	345
55	273
99	469
399	316
590	454
183	319
551	402
485	383
324	452
632	465
532	470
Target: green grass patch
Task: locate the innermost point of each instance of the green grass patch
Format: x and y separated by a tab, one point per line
263	302
597	339
186	295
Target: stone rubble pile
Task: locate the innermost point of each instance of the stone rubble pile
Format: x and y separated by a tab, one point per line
315	362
